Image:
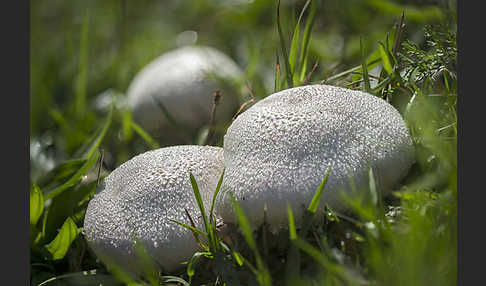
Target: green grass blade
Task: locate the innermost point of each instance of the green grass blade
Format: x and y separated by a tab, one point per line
419	14
152	143
169	279
61	243
288	71
208	227
148	266
292	229
75	178
385	60
384	82
293	255
216	192
304	50
294	47
317	196
96	143
189	227
263	275
371	63
244	225
238	258
294	44
61	172
372	185
126	120
364	64
191	266
36	203
311	251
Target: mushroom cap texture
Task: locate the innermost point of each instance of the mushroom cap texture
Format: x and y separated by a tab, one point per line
142	195
279	150
184	80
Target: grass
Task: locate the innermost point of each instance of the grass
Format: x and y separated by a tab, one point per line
406	238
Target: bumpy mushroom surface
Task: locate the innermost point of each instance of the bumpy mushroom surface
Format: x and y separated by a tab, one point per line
139	198
279	150
184	81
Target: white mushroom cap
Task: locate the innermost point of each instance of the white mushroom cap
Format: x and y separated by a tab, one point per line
184	80
139	198
279	150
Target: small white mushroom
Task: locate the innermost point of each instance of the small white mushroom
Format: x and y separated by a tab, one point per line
279	150
184	81
141	196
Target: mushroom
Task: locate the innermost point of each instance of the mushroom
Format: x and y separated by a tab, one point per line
141	197
280	149
183	81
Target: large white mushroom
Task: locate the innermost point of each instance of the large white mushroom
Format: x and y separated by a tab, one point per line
279	150
184	81
141	196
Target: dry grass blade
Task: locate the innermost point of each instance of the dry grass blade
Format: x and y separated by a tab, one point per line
196	236
100	162
307	79
398	38
242	107
216	100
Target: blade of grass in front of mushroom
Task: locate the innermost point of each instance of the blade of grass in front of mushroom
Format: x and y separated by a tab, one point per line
263	275
121	274
292	273
147	264
314	204
210	230
293	256
195	231
212	221
333	270
283	47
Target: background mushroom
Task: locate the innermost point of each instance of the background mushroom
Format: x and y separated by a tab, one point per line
184	81
139	198
279	150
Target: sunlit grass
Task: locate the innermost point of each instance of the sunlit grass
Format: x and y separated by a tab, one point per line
406	238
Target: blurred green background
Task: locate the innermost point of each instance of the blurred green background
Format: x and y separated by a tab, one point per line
81	49
84	52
